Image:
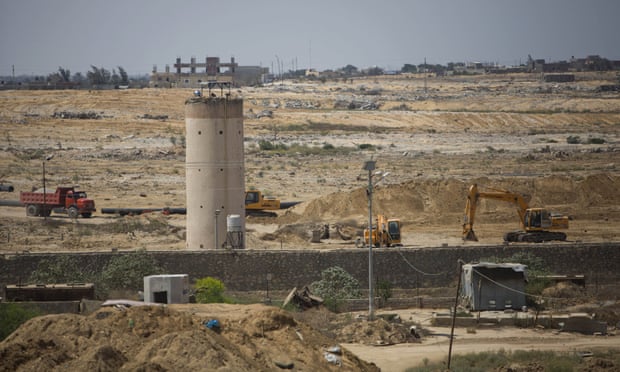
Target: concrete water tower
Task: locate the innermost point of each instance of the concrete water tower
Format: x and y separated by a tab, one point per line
215	183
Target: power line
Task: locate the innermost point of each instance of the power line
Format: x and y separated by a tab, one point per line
419	270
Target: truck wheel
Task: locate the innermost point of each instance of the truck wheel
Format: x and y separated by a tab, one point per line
73	212
32	210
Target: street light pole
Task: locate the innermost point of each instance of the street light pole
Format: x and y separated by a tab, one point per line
370	165
217	213
44	192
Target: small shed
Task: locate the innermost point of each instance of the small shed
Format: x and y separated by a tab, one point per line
493	286
166	289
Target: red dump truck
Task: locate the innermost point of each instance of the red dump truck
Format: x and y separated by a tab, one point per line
63	200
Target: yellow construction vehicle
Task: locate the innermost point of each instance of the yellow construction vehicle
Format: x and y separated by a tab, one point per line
538	224
385	232
256	204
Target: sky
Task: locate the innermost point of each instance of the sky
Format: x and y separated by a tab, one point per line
39	36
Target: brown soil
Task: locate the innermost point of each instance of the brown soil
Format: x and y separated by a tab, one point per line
174	338
435	137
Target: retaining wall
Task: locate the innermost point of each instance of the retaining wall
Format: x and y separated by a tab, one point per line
246	270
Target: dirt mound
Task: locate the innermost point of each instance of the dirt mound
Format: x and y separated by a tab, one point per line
376	332
439	204
160	338
432	201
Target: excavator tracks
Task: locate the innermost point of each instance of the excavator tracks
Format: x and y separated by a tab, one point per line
534	237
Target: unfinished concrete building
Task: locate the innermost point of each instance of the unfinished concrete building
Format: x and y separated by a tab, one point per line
192	74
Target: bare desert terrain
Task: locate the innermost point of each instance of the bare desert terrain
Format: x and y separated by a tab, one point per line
434	137
557	143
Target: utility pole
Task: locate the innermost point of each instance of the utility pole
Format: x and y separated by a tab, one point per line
44	209
370	166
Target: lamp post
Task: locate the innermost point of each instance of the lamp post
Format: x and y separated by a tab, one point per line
217	213
370	166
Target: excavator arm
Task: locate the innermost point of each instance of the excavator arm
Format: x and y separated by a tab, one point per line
497	194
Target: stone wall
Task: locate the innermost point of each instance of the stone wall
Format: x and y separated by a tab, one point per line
246	270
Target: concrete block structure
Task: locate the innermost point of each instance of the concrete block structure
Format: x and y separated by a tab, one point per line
493	286
215	182
167	289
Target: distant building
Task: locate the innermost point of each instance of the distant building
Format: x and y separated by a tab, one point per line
192	74
312	72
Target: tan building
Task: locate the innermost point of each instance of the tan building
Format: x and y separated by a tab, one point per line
192	74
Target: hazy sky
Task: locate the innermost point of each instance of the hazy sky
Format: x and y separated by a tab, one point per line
38	36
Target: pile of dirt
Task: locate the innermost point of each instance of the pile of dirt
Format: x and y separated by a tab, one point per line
159	338
433	200
421	204
378	332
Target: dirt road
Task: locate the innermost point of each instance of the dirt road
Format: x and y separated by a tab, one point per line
398	358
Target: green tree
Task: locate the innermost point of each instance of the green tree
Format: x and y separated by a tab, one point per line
98	76
61	75
349	70
115	78
409	68
124	77
335	286
375	71
209	290
65	74
13	315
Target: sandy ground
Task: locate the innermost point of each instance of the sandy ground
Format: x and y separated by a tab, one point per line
398	358
498	131
508	131
434	347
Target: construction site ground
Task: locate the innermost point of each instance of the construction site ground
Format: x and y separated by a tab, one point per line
556	142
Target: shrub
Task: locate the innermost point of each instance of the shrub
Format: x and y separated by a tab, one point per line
125	271
209	290
366	146
384	290
270	146
335	286
61	269
13	315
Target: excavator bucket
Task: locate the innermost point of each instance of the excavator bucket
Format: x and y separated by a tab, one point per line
470	236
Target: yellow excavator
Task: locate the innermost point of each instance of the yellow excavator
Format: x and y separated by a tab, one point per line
258	205
385	232
539	224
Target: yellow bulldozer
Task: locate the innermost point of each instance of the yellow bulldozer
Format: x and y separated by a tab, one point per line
385	232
